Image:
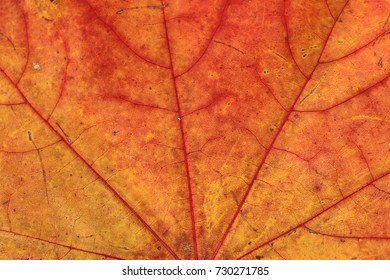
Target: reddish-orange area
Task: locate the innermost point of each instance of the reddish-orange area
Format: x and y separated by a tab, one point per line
222	129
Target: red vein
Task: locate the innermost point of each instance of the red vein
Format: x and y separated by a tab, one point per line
362	156
60	244
347	99
330	12
121	39
314	231
312	218
94	171
12	104
201	108
229	46
258	76
9	40
185	150
288	40
358	49
295	154
383	191
268	150
31	150
208	43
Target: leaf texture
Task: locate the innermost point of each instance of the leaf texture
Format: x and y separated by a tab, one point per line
221	129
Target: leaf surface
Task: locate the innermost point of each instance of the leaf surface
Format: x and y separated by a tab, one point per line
228	129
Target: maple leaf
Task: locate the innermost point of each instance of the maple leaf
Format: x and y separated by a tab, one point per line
229	129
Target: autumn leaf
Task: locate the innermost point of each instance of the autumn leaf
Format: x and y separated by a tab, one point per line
228	129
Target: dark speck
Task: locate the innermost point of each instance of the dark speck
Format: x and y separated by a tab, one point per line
380	62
